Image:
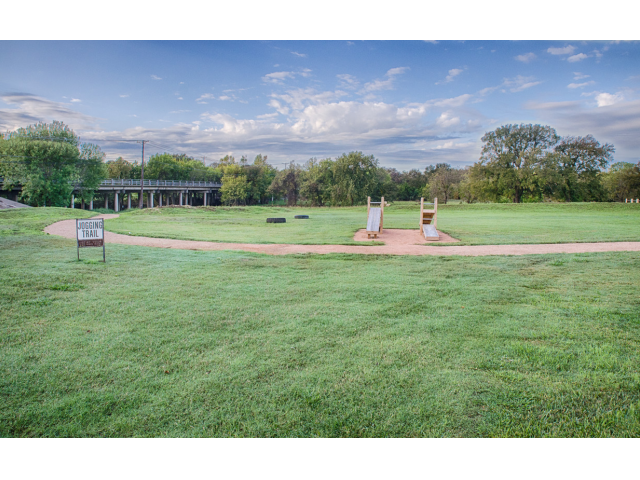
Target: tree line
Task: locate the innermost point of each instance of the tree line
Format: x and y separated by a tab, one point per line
48	161
518	163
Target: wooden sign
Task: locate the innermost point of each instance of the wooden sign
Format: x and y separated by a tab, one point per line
90	233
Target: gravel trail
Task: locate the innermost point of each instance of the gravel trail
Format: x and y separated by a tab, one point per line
397	242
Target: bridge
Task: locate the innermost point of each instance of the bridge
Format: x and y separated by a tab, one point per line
118	193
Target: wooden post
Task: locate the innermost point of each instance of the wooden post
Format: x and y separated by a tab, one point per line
421	209
368	207
435	215
381	212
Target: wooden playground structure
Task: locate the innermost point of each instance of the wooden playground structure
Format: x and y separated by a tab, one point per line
427	225
375	217
429	220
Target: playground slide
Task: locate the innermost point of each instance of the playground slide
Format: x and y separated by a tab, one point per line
430	232
373	223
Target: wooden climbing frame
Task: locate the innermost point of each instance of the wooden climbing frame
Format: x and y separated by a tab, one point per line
429	220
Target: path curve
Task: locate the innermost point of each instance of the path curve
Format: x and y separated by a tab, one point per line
403	245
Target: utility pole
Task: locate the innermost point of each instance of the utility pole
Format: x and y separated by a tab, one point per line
141	198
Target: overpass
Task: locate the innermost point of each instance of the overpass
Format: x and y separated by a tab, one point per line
118	193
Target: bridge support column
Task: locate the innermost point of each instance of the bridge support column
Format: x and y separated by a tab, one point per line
116	205
129	201
73	201
91	204
180	198
204	199
150	201
160	199
106	200
190	199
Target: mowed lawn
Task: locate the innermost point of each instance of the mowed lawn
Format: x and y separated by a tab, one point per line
476	224
181	343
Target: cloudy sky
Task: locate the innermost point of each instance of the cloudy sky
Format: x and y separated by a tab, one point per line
409	103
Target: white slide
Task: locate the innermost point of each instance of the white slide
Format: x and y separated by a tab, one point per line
373	223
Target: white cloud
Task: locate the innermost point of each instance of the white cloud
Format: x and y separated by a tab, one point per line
454	72
580	85
348	81
225	97
447	120
303	55
577	57
396	71
205	96
180	111
568	50
155	77
124	96
386	83
519	83
28	109
180	98
580	76
273	103
488	90
616	122
526	57
75	100
279	77
302	97
606	99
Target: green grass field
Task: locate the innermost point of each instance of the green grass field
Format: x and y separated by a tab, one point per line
182	343
477	224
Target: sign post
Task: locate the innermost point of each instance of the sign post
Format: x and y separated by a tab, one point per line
90	233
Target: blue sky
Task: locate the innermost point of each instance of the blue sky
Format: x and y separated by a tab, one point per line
409	103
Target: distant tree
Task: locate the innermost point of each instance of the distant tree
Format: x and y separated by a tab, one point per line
119	168
287	183
164	166
90	171
354	177
443	183
234	185
580	160
510	156
47	160
622	181
226	160
317	179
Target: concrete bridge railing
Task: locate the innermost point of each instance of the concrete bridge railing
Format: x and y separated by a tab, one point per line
117	182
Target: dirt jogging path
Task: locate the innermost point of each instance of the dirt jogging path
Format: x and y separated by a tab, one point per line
397	242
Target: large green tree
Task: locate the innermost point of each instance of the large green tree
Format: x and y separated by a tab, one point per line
354	178
119	169
234	184
510	157
580	160
48	161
